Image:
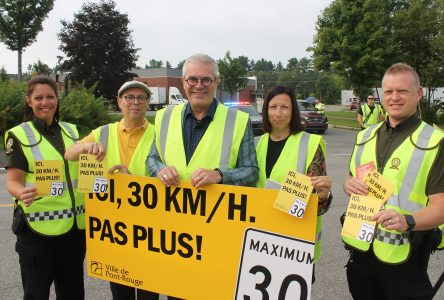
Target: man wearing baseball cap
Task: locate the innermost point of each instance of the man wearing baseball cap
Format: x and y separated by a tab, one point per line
123	145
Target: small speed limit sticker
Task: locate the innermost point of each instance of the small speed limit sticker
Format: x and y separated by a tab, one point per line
273	266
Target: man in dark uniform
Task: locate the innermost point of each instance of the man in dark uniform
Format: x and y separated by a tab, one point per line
410	154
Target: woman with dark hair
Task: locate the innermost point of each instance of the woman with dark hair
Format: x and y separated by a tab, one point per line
49	229
285	145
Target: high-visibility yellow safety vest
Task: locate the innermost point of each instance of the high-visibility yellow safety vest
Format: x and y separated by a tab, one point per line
218	147
408	169
298	152
51	215
108	136
375	115
320	107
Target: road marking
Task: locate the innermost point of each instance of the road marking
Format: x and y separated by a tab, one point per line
6	205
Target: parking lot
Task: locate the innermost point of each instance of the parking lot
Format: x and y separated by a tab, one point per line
330	272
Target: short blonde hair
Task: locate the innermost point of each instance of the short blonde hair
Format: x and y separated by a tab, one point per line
403	68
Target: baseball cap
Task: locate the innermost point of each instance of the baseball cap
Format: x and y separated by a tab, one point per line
134	84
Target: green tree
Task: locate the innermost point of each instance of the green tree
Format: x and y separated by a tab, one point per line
355	39
39	68
12	103
266	79
245	62
3	74
232	75
180	64
328	87
99	48
419	35
80	104
154	64
292	64
168	65
20	21
263	65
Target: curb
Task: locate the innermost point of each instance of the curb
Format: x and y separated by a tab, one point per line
345	127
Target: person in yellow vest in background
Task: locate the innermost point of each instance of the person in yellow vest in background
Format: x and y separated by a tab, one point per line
409	153
124	146
203	140
370	113
320	107
286	145
49	229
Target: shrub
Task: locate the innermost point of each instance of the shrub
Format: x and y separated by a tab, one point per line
430	114
12	101
83	109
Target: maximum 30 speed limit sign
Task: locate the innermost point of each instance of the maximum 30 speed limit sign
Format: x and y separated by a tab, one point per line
273	266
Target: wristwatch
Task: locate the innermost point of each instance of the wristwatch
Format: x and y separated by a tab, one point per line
220	174
410	222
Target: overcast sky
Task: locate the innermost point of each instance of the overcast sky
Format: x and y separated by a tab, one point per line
172	30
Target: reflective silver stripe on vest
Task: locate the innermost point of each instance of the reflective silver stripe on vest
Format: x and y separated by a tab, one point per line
36	153
55	215
69	129
164	130
367	135
104	132
227	140
391	238
302	152
402	199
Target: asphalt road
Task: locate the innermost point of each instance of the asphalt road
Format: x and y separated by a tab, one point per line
330	273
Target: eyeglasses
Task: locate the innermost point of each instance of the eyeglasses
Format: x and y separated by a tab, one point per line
205	81
131	98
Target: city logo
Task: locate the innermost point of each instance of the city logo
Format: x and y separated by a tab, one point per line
96	268
395	163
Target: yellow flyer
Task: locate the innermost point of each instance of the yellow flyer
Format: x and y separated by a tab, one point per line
92	174
358	222
378	186
294	194
48	177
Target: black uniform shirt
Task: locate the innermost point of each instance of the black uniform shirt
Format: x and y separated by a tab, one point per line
390	138
15	158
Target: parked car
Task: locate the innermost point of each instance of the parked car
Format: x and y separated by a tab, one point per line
312	119
255	117
354	105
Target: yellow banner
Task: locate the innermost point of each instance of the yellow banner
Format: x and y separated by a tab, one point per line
217	242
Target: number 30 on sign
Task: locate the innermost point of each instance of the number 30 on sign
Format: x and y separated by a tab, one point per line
274	267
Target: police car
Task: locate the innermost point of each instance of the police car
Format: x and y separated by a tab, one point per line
255	117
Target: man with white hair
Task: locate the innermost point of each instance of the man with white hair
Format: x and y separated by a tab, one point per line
203	140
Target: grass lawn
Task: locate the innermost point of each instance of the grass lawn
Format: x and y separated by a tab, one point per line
342	118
